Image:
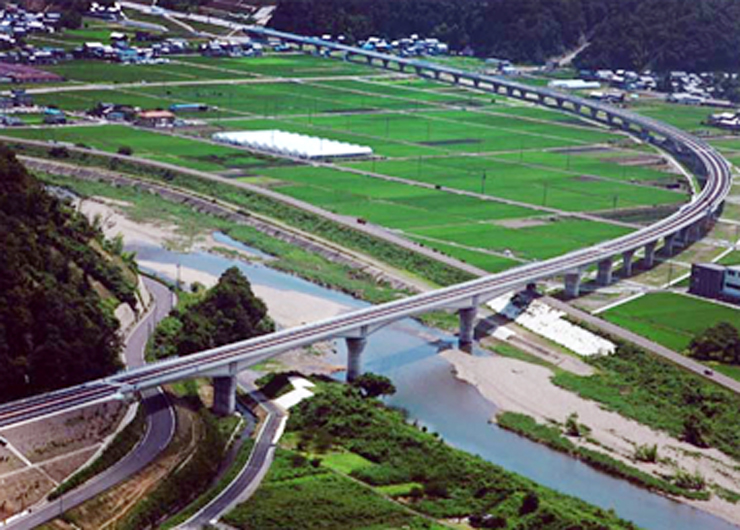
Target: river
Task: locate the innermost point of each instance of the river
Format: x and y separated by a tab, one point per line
407	353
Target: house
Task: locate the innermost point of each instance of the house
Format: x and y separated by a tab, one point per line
574	84
54	116
155	118
725	120
712	280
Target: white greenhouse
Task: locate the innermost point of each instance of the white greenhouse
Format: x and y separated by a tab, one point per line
291	144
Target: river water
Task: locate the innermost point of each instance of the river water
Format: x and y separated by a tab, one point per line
407	353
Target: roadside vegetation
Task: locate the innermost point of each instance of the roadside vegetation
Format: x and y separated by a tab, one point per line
395	458
656	393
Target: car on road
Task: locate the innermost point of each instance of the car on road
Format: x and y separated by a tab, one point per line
708	372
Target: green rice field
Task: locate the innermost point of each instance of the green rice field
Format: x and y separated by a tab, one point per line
671	319
439	139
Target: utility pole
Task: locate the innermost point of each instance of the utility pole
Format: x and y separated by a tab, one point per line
483	183
544	194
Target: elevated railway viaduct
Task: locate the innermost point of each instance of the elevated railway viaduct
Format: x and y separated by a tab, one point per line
223	363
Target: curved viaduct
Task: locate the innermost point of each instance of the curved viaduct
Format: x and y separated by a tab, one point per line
225	362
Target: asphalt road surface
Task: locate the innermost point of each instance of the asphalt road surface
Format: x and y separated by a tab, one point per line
250	477
159	430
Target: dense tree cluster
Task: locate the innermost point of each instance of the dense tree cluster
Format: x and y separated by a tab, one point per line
54	331
227	313
657	34
717	343
699	35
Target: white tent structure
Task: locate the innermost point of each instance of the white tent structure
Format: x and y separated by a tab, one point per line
290	144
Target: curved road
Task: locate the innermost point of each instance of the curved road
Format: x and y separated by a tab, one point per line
160	424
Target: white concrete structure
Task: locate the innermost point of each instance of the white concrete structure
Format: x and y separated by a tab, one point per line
292	144
549	323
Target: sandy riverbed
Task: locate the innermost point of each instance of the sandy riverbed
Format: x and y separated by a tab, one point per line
517	386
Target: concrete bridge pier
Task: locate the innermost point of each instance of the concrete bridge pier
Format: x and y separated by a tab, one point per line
573	284
650	254
627	263
224	395
355	347
604	274
668	243
467	325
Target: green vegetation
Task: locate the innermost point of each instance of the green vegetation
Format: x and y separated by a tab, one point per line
719	343
671	319
229	312
552	436
300	496
240	461
451	483
697	36
308	265
56	330
121	445
656	393
187	482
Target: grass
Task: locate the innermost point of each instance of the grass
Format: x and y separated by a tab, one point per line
552	437
441	482
291	258
671	319
286	65
513	177
147	144
345	463
660	395
299	496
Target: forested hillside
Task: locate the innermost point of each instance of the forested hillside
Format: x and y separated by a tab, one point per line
55	330
657	34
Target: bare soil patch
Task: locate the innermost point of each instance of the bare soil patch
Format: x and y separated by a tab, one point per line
524	223
61	434
107	509
21	490
61	468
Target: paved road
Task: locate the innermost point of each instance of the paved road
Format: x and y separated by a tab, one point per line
250	477
159	429
676	358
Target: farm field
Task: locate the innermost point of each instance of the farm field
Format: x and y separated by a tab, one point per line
420	131
685	117
285	65
470	222
164	148
671	319
103	72
519	181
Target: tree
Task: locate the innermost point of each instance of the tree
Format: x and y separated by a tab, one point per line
530	503
717	343
54	329
228	313
696	430
374	385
